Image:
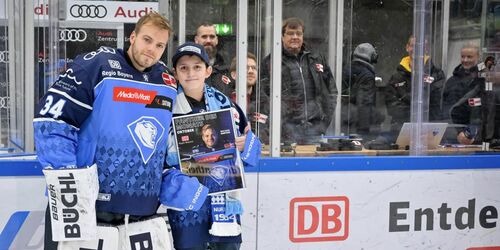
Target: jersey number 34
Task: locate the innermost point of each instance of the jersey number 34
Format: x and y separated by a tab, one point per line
54	110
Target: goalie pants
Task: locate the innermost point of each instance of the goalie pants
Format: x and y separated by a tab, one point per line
102	217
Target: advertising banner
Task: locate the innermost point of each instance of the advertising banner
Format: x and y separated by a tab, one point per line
95	11
72	42
441	209
108	11
304	209
22	214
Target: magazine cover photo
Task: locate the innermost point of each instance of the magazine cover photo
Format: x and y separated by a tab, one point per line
207	150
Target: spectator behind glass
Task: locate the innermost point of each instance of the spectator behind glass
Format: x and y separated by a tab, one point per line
479	110
257	103
359	111
308	92
464	79
398	91
207	37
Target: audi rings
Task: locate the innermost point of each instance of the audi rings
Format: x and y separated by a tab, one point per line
4	102
88	11
4	56
72	35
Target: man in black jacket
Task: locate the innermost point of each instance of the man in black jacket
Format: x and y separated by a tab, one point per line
207	37
359	94
398	92
478	107
465	78
308	92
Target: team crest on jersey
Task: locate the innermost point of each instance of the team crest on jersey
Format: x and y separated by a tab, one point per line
474	102
226	80
400	84
169	80
146	132
219	174
236	115
428	79
319	67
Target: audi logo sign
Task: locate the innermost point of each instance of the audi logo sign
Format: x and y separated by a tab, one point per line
72	35
88	11
108	11
4	102
4	56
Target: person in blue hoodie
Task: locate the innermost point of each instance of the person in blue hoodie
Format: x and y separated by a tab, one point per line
207	227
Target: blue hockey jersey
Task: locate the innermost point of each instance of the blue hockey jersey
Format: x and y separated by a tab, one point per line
104	111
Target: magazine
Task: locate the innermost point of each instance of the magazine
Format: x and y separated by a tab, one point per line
207	150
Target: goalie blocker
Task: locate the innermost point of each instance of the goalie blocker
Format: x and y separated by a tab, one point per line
72	220
72	194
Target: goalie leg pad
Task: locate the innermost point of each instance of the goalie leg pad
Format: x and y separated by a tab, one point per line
107	238
148	234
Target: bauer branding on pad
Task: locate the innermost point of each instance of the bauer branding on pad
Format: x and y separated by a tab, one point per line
72	194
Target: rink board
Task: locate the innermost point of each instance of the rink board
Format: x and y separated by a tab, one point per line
324	203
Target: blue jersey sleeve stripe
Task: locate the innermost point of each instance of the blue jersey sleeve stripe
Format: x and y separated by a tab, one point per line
53	120
75	101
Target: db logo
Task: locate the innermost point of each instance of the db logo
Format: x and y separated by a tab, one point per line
319	219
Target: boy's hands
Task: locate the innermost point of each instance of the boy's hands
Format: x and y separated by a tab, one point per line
240	140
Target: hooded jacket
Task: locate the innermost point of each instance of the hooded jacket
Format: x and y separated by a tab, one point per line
359	98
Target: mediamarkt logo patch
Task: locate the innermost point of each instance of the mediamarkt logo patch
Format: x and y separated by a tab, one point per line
122	94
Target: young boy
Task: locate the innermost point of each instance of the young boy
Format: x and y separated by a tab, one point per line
191	67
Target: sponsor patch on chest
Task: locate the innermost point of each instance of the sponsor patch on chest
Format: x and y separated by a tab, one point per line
124	94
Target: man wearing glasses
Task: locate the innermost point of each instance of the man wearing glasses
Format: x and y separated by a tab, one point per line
308	89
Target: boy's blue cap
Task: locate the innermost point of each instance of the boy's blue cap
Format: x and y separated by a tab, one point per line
190	48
